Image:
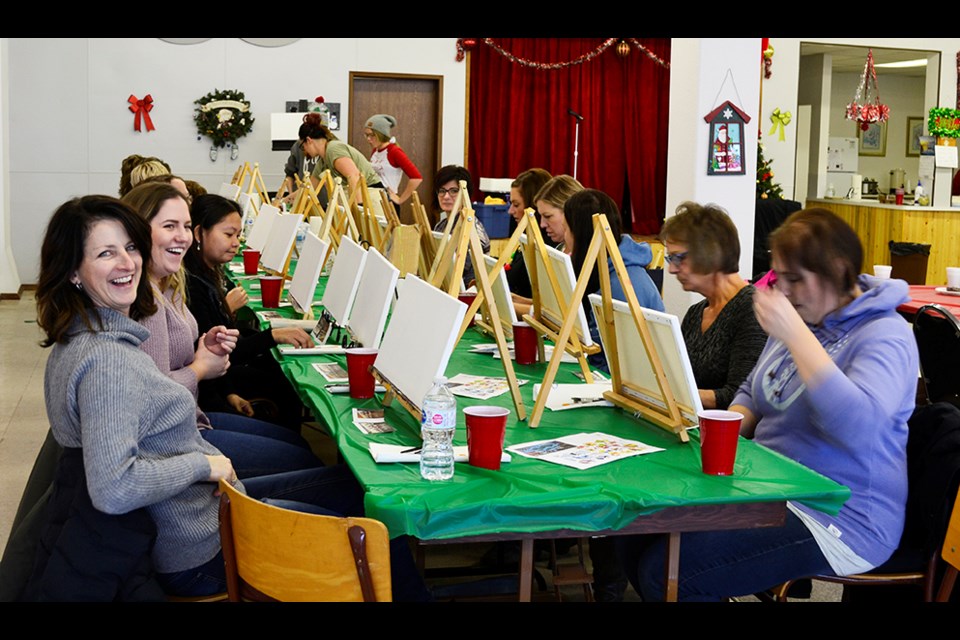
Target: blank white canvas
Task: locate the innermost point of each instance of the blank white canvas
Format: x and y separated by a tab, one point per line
283	234
261	227
501	295
550	306
229	191
418	342
344	279
304	283
249	202
372	304
637	369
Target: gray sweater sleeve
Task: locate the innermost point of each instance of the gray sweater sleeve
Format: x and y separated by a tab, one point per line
115	405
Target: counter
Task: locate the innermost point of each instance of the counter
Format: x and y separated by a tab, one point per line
877	224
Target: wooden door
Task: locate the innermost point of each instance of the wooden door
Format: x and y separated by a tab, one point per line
415	101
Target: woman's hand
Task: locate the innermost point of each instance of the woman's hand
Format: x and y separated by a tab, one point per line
207	364
780	320
221	469
221	341
292	335
240	405
236	298
394	198
777	316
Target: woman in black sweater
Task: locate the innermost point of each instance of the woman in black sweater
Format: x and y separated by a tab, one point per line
214	300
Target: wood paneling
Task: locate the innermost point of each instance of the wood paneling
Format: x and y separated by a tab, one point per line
877	226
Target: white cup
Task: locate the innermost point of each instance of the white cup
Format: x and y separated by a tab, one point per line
953	278
882	270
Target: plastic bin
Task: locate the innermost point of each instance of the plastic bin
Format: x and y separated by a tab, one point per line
495	219
909	261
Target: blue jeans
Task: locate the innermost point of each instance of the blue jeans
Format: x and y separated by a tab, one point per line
331	491
719	564
258	448
252	426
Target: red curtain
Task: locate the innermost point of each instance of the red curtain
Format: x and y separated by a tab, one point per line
519	118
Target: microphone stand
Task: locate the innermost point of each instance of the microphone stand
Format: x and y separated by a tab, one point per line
576	140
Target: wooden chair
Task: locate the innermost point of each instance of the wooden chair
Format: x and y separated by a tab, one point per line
933	460
275	554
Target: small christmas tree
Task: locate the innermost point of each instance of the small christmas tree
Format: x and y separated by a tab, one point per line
766	188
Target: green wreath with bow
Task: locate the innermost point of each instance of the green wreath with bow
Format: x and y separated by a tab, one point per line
223	116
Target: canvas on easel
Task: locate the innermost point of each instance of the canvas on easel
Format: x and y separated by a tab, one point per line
378	283
303	285
553	281
261	227
504	302
602	247
276	253
464	244
341	290
229	191
418	342
637	377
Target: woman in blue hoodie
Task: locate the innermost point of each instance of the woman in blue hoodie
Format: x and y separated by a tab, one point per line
833	390
578	213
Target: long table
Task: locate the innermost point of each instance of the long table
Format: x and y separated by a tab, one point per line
663	492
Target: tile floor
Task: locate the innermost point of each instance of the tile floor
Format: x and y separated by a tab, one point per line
23	426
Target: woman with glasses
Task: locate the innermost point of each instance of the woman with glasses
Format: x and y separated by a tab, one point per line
721	332
389	160
833	389
447	181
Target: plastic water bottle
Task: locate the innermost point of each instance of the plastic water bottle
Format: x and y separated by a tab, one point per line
301	234
438	422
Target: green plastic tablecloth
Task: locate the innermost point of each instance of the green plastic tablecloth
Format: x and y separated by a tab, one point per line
528	495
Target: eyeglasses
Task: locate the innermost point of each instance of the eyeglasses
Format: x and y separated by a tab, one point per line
676	259
453	191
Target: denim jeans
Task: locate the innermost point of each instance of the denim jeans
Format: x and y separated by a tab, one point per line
258	448
719	564
329	491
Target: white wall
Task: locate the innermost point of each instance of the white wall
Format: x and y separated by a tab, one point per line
698	84
69	126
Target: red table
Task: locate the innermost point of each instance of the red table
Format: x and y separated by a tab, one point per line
926	294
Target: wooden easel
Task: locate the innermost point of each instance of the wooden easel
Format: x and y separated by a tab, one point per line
256	180
536	248
399	242
603	246
428	247
465	237
340	216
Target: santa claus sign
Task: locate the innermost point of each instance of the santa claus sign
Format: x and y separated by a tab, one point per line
725	149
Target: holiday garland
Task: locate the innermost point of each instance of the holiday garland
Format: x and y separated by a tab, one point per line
223	116
944	122
469	43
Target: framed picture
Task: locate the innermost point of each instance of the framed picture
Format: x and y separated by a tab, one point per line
873	141
914	131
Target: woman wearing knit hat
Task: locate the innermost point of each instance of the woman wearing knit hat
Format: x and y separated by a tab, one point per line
389	160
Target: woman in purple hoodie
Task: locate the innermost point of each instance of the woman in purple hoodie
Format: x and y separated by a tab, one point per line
833	390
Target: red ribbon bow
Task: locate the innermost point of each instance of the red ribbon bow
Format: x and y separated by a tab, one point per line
141	106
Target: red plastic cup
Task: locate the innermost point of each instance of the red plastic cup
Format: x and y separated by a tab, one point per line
467	299
486	427
898	194
251	260
719	433
359	361
524	343
270	287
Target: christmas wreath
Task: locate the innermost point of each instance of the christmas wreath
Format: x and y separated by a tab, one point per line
223	116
